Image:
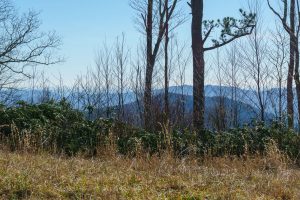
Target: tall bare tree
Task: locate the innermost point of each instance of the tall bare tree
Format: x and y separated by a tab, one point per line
154	23
166	74
277	56
23	44
176	20
121	58
231	29
218	116
289	7
103	64
232	71
137	85
253	54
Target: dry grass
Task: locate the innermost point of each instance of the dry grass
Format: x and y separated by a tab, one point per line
27	176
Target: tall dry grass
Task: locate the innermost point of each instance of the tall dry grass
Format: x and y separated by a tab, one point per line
41	176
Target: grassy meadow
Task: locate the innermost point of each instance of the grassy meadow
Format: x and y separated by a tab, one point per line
42	176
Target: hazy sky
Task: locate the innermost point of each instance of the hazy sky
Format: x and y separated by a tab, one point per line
85	25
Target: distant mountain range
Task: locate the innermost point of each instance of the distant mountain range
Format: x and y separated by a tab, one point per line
246	100
245	113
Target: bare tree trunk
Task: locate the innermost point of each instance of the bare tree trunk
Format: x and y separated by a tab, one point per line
166	70
260	91
290	29
149	68
297	81
296	49
198	64
148	96
290	95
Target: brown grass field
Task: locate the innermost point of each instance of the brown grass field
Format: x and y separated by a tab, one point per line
32	176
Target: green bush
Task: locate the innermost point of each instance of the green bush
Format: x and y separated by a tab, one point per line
251	139
50	126
58	128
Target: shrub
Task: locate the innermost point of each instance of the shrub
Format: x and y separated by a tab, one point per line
58	128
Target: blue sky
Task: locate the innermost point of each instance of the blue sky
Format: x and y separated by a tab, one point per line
85	25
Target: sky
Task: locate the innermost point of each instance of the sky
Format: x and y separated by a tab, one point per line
84	25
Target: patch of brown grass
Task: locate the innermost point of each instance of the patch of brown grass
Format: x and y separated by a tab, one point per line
28	176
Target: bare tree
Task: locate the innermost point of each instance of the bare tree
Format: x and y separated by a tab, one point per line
76	96
103	64
181	62
33	82
121	59
60	91
218	115
88	90
232	72
137	85
21	42
295	43
277	56
293	32
154	23
232	29
166	70
98	83
176	20
45	93
253	55
22	45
